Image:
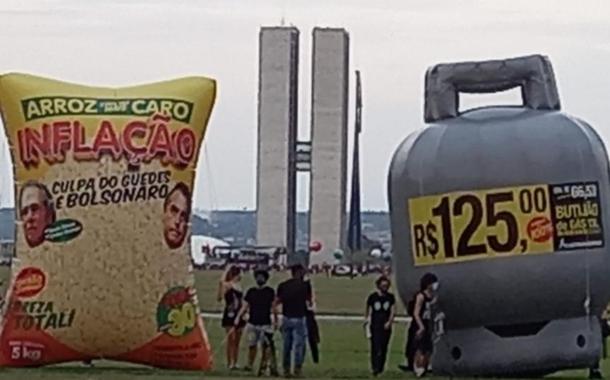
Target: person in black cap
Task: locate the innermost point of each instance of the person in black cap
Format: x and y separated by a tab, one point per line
258	302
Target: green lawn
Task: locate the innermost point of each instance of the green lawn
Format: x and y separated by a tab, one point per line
344	355
344	349
336	295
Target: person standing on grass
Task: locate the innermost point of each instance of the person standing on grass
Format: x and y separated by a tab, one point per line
229	290
313	331
258	302
293	295
423	323
380	312
410	344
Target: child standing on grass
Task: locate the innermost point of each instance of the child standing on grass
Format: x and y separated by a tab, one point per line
380	311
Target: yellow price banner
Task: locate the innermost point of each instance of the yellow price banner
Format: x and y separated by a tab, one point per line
503	222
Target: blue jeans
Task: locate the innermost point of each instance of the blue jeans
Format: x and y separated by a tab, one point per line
294	334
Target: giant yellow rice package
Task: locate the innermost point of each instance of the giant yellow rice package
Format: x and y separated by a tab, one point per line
103	192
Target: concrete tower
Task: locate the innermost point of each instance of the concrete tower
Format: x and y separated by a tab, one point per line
277	132
329	130
280	155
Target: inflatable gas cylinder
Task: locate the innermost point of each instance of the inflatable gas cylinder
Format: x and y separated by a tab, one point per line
508	207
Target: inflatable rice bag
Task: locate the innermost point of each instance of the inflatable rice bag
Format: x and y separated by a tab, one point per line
103	191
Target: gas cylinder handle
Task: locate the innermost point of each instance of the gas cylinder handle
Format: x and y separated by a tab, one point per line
534	74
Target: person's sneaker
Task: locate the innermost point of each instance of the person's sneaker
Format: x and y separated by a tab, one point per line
405	368
287	374
419	372
298	373
595	374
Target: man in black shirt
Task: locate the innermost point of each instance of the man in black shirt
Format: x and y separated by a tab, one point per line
259	303
294	295
380	310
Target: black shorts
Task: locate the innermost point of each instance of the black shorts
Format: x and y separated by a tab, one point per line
410	343
228	320
423	343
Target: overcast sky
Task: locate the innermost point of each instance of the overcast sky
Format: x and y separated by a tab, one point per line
126	42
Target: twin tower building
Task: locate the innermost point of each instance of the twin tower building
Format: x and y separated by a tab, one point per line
281	154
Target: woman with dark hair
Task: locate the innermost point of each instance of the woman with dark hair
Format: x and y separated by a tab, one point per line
422	323
380	311
230	291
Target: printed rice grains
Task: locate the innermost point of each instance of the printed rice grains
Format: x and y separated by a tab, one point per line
103	191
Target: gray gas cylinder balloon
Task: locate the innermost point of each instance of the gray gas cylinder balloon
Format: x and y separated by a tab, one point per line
508	207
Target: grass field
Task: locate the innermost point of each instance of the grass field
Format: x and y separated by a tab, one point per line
336	295
344	355
344	349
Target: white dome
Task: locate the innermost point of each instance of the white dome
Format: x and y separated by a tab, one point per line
376	253
200	241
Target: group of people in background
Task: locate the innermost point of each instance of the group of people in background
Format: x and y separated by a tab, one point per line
257	313
379	317
261	303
